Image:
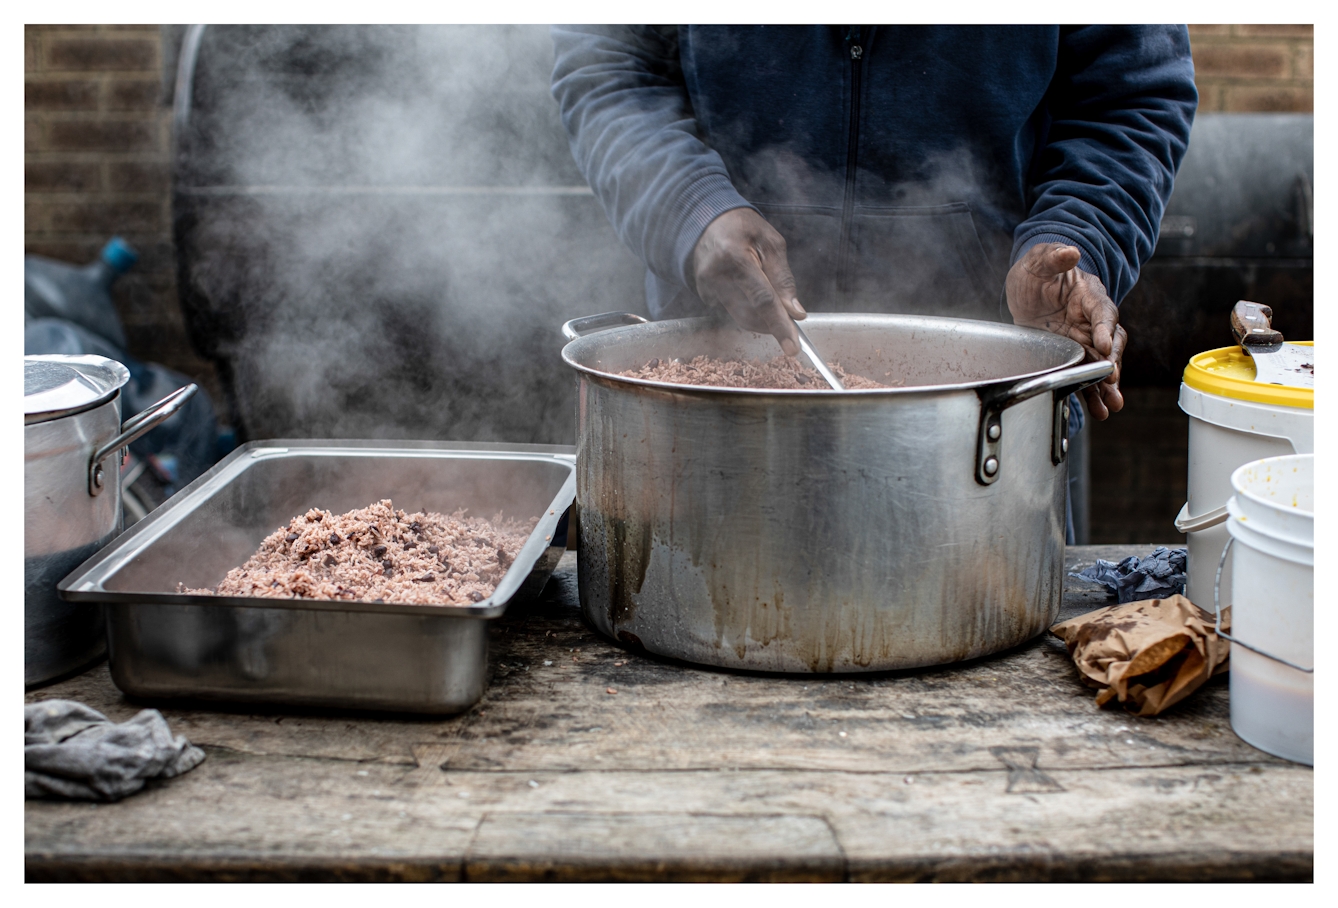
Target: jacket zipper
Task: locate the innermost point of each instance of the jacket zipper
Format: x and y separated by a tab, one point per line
856	50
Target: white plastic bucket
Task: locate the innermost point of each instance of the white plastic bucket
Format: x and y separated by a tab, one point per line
1232	421
1272	596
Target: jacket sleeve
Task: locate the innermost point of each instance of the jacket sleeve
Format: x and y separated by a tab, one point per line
1120	109
633	134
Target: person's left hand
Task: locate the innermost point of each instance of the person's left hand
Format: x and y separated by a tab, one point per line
1046	290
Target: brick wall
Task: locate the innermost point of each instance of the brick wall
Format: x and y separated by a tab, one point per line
1242	68
96	164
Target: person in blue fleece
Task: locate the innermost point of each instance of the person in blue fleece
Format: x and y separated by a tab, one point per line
969	171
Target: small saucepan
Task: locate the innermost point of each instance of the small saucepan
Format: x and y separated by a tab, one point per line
73	443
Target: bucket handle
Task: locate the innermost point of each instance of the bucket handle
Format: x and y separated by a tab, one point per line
1186	524
589	324
134	428
1217	611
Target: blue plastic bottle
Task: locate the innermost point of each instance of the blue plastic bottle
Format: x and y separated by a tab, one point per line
68	309
81	295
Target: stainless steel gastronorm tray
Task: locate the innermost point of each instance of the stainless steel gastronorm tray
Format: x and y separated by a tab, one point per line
359	655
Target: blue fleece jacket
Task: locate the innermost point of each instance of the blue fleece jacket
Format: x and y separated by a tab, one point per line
906	167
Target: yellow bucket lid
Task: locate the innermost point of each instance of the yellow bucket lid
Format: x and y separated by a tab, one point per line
1229	372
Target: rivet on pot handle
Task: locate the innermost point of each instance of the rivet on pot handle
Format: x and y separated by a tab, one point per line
134	428
589	324
994	399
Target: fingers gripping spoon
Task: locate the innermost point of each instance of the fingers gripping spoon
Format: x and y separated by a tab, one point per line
1275	362
818	362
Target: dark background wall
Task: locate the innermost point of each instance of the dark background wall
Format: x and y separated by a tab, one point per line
97	146
1139	458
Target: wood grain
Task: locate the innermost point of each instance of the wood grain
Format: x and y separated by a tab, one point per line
1002	768
666	846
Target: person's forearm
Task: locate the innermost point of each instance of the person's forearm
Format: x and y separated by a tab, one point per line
1121	111
634	138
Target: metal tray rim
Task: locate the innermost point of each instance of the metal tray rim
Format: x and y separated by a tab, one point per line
84	583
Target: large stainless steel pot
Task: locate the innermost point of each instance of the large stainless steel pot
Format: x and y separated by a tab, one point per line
71	497
823	531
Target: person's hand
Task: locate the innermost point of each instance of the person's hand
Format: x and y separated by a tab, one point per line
1046	290
739	264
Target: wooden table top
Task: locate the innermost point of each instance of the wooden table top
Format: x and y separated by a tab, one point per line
586	762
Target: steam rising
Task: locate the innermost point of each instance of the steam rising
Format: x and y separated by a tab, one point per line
384	230
929	248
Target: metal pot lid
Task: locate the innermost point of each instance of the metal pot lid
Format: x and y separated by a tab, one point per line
56	386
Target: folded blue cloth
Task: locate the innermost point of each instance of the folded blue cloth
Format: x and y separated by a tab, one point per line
1157	576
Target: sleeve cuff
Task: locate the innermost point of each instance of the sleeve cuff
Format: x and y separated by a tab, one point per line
700	204
1086	263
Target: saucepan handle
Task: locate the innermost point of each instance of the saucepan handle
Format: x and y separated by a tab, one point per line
589	324
133	429
994	399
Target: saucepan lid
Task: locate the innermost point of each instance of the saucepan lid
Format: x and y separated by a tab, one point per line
56	386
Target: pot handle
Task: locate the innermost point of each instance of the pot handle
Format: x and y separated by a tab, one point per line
994	399
589	324
134	428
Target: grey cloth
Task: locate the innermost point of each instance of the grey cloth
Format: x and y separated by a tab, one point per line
1157	576
73	751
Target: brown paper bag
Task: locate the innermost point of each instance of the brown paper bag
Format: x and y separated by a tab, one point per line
1148	655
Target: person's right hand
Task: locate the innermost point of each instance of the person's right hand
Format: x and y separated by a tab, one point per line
739	264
